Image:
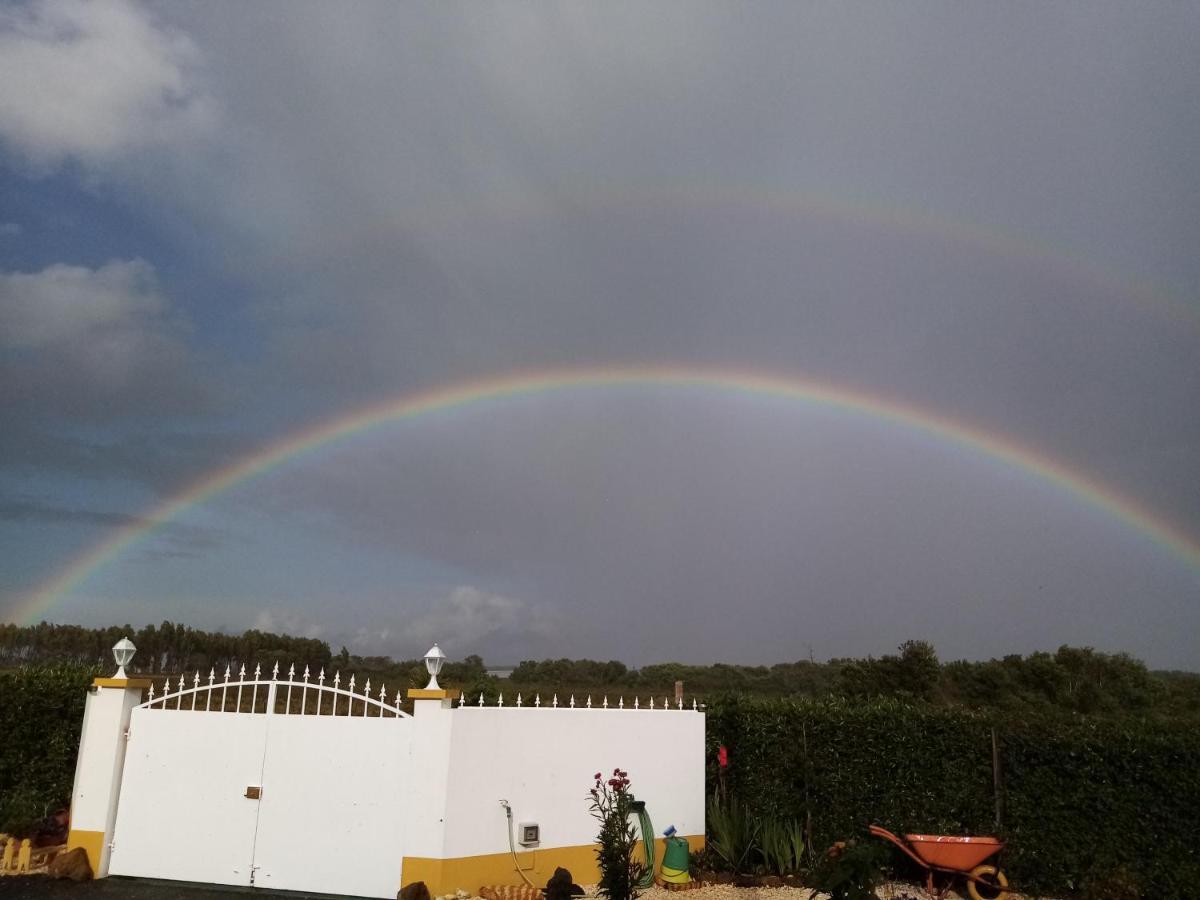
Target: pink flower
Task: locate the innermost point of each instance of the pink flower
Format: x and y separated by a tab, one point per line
597	776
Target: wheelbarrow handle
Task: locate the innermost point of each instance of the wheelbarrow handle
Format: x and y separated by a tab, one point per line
881	832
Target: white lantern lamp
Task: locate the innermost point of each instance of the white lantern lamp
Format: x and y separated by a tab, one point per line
433	664
123	651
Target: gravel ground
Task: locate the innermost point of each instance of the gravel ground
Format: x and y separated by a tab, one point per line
33	887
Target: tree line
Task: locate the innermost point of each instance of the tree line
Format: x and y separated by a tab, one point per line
162	649
1072	679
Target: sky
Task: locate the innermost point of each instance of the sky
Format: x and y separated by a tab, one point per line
226	226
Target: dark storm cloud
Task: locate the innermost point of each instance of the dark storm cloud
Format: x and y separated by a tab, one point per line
413	195
179	540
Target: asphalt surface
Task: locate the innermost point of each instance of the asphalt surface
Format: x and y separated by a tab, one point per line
34	887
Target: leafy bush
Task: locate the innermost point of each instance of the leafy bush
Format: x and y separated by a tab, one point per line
1080	796
851	871
41	713
611	804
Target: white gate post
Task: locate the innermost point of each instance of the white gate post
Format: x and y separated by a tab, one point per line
101	760
425	827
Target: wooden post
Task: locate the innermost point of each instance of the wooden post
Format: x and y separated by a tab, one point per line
679	692
996	779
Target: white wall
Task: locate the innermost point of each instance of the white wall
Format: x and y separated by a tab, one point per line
357	795
542	761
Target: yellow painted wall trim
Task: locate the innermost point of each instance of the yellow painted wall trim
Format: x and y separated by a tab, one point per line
441	694
445	876
142	683
91	841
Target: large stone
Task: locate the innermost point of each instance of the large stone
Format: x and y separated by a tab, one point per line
73	864
415	891
561	887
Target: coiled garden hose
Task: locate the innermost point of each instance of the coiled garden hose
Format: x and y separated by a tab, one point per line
639	806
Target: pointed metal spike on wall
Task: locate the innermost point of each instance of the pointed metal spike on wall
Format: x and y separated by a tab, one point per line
321	677
537	700
621	702
606	701
652	701
196	679
257	672
572	701
694	705
292	672
352	684
679	703
518	699
306	674
226	672
636	703
152	693
211	675
275	671
462	700
589	701
500	700
242	674
337	678
555	703
481	699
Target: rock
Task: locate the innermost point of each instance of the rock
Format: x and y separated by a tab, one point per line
561	887
771	881
415	891
73	864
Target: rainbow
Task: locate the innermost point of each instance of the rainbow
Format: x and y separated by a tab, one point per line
705	199
480	392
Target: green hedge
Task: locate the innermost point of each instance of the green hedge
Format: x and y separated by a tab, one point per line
1084	801
41	713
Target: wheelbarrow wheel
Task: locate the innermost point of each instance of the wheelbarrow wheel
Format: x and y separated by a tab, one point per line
986	883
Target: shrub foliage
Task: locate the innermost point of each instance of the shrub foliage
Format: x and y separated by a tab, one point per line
41	713
1082	798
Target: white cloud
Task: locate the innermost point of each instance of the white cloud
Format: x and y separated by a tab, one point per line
93	342
467	617
282	621
64	302
91	80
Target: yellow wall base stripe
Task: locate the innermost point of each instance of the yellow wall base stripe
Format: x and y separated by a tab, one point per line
90	841
445	876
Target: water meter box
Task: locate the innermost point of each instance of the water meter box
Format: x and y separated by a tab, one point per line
529	834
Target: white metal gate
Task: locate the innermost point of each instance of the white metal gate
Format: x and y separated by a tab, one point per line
290	784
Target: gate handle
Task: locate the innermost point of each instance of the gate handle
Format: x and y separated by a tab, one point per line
253	792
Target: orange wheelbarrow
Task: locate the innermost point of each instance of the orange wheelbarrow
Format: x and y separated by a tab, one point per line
953	856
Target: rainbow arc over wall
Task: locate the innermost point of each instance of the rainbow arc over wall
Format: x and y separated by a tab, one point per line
478	393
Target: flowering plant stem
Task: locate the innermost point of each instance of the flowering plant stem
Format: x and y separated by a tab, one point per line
611	804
